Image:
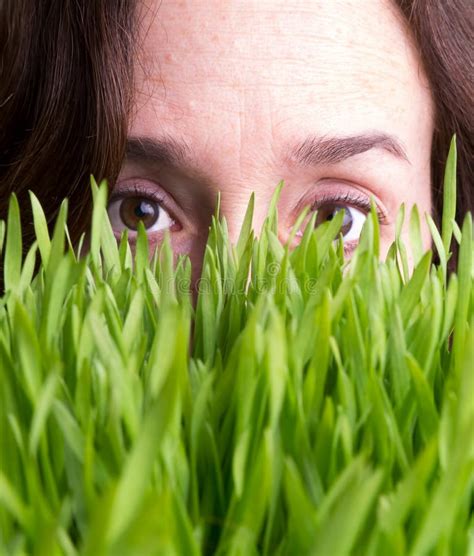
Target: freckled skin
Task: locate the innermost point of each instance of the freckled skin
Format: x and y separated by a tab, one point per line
240	80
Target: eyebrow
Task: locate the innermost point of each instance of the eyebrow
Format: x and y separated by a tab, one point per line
318	150
165	151
313	151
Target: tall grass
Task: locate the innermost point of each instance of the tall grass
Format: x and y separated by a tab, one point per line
304	405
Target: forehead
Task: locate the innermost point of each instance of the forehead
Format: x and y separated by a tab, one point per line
330	66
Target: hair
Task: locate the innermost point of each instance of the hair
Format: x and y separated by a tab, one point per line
443	31
66	85
66	69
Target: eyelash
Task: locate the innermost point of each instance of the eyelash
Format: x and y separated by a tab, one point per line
354	200
357	201
136	189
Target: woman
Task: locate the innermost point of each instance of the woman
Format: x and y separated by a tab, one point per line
174	101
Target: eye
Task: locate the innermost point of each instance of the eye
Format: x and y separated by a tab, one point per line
355	205
352	223
126	212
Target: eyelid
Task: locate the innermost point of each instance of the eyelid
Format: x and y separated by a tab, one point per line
136	187
355	199
349	247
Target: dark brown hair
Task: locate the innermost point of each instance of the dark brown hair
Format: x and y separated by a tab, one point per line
65	90
443	31
66	84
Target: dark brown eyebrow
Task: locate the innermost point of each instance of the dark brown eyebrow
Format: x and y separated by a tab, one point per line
320	150
313	151
166	151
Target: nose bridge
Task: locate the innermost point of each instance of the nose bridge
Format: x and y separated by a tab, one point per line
246	161
234	203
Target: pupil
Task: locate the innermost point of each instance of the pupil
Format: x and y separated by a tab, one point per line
143	209
328	213
136	209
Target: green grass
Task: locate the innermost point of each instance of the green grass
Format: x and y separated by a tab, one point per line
304	405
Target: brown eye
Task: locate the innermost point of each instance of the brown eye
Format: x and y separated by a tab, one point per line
352	222
328	212
127	212
134	209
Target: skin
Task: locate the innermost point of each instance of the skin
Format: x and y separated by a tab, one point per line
236	86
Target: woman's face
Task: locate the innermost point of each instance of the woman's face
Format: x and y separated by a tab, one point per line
236	95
